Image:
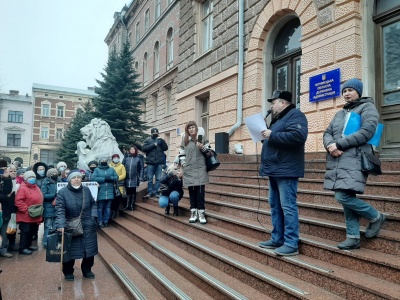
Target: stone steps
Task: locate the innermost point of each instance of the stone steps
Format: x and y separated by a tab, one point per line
317	259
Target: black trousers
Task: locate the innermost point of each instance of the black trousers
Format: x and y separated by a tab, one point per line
28	230
197	196
115	203
86	266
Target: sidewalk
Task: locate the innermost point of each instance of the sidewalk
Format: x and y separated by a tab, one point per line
32	278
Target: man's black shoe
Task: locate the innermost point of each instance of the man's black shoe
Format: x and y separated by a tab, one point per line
89	275
25	252
33	248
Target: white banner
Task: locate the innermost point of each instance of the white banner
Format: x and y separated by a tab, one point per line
92	185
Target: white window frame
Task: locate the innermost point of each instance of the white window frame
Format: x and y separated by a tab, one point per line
170	48
146	20
46	112
206	17
44	132
145	69
137	33
59	110
59	133
154	100
157	10
168	99
156	58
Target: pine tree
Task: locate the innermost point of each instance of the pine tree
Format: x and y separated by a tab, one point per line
119	99
72	135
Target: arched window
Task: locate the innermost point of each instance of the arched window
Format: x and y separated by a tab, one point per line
286	59
387	82
170	48
145	71
156	57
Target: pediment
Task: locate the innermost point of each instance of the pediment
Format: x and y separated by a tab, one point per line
14	128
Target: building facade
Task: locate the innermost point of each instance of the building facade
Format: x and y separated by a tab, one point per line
16	116
152	28
234	53
54	109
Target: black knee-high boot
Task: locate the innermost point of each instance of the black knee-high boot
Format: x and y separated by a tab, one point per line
128	202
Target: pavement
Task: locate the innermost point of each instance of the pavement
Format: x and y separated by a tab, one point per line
30	277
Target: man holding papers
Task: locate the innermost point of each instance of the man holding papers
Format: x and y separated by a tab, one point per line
343	165
282	160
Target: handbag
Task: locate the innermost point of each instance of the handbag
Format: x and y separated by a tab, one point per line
164	189
212	161
75	226
370	164
35	210
54	245
117	192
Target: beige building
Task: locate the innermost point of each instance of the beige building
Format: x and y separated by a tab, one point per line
223	78
54	108
16	116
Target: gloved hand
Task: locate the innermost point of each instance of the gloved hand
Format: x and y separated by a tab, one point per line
109	179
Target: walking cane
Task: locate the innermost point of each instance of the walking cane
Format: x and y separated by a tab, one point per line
62	256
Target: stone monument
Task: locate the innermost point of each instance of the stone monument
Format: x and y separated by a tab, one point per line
100	142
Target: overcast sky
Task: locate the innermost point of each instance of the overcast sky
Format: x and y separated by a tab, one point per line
55	42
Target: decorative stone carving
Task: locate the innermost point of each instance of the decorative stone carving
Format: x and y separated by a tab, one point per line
325	16
100	143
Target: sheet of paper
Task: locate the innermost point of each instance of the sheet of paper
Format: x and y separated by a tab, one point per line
256	124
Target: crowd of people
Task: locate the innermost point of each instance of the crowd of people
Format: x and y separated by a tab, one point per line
282	161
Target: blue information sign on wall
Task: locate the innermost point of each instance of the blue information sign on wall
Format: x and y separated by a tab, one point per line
325	86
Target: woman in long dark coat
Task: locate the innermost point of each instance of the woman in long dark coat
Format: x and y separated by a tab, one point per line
70	200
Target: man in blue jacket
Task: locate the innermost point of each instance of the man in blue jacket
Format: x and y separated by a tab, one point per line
282	160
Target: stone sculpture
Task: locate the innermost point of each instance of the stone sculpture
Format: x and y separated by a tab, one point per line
100	142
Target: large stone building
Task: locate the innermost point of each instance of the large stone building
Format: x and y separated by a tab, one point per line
54	108
233	54
16	116
152	28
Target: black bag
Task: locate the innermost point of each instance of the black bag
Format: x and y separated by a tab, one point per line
53	249
75	226
35	211
370	164
164	189
117	192
212	162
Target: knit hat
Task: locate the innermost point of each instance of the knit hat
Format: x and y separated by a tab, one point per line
115	155
20	171
51	172
61	164
354	83
3	163
154	130
74	173
29	174
93	162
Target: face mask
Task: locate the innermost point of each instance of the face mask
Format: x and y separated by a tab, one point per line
62	169
31	180
92	168
103	163
155	135
41	172
54	177
116	160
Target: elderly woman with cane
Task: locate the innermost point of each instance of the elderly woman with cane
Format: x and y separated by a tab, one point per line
73	201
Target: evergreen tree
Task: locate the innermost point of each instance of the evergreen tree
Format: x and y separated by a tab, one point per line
118	101
72	135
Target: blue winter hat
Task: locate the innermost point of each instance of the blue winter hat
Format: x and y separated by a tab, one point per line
353	83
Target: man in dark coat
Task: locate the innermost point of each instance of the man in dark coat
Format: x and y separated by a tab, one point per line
154	148
282	160
73	200
8	207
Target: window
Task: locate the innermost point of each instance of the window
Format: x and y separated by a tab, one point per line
60	111
137	37
157	11
168	95
156	57
15	116
145	71
44	132
48	157
13	140
170	48
61	97
206	25
155	103
146	20
45	110
59	133
204	110
286	59
143	108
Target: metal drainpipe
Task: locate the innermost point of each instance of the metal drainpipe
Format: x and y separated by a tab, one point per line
240	71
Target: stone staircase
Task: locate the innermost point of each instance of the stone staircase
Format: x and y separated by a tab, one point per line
154	256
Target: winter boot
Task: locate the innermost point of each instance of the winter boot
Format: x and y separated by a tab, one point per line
167	210
129	201
349	243
176	211
133	206
202	216
193	215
